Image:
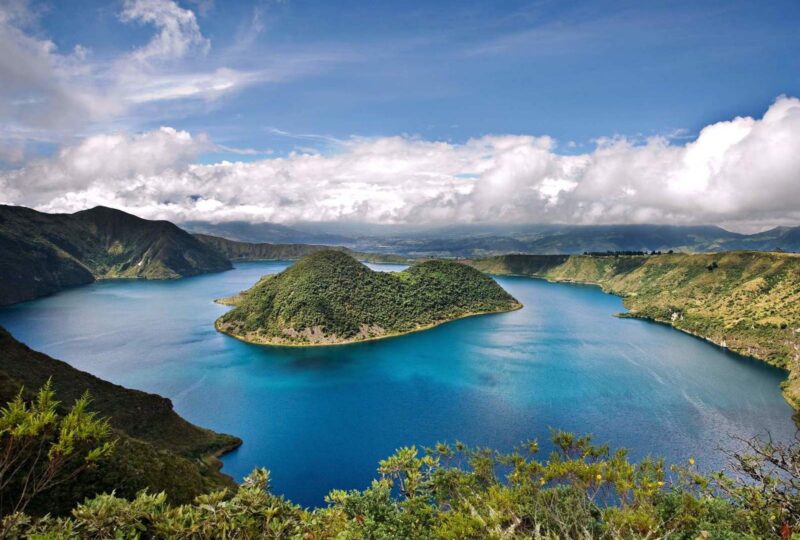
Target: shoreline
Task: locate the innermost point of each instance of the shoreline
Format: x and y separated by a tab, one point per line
634	315
357	341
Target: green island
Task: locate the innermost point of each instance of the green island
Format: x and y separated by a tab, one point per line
330	298
745	301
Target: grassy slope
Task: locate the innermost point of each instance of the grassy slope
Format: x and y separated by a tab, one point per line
157	448
246	251
749	302
329	297
44	253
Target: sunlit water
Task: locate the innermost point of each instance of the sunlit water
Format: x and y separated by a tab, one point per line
321	418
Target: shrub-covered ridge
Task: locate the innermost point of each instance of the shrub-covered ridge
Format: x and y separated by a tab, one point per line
329	297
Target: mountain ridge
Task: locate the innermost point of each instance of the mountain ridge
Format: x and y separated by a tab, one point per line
45	253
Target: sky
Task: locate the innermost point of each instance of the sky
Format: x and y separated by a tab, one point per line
413	112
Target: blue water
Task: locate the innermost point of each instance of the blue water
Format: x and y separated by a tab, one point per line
321	418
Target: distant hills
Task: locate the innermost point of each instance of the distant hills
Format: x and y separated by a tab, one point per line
247	251
44	253
156	448
486	240
329	297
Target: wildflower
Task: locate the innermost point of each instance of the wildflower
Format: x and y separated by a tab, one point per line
599	477
660	483
691	461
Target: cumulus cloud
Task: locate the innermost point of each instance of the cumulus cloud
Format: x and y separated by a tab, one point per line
744	171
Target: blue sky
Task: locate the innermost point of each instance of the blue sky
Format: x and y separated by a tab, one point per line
249	82
453	69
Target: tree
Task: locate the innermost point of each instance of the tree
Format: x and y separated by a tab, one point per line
41	448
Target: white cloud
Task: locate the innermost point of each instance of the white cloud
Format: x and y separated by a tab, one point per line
178	30
53	94
744	171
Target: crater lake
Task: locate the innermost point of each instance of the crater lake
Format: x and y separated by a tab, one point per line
321	418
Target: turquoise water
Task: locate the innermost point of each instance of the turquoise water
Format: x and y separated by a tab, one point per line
321	418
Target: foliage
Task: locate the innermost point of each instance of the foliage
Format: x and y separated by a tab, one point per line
581	491
331	297
155	447
40	448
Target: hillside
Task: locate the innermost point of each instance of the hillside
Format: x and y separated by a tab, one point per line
246	251
746	301
329	297
157	448
44	253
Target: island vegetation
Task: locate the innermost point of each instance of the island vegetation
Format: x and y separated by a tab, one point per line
746	301
581	490
330	298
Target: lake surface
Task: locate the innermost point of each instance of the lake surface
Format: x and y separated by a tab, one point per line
322	418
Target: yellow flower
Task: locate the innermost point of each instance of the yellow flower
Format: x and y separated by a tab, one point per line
691	461
599	477
541	481
660	484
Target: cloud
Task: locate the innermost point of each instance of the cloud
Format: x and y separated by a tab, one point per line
49	94
744	171
178	30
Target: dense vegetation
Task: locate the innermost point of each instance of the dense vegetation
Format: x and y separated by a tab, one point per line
155	448
748	302
44	253
580	491
329	297
245	251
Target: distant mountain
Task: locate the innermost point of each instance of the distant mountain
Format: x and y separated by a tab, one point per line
256	233
156	448
329	297
247	251
486	240
44	253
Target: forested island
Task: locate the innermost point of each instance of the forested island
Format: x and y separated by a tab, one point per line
330	298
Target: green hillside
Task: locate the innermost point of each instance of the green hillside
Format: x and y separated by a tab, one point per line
157	449
44	253
746	301
329	297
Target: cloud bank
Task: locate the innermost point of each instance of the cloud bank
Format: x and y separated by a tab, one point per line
743	173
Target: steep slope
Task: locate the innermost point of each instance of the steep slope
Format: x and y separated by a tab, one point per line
157	449
746	301
44	253
329	297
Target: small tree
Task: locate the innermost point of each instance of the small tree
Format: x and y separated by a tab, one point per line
40	448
